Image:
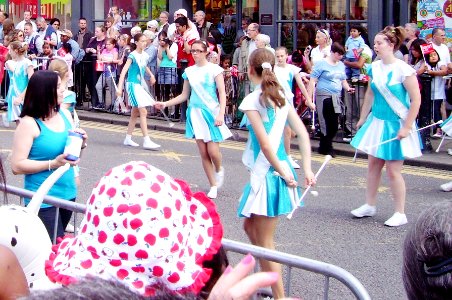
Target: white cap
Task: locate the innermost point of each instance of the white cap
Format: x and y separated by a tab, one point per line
182	12
152	23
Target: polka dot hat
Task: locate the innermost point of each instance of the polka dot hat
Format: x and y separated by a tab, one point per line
144	228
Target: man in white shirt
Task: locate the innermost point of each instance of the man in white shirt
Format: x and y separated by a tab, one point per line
438	39
27	18
47	32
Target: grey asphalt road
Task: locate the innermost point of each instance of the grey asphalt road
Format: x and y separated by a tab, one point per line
323	230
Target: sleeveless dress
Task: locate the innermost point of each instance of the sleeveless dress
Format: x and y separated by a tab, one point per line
203	106
18	81
135	85
384	122
266	194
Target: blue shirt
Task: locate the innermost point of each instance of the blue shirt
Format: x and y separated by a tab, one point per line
329	77
353	43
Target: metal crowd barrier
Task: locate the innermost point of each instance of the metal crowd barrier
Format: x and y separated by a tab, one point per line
289	261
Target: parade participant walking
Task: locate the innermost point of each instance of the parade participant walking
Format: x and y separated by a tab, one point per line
19	70
286	74
205	112
39	142
393	84
329	75
139	99
272	190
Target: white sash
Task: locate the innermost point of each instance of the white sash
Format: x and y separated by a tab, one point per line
380	81
206	98
261	166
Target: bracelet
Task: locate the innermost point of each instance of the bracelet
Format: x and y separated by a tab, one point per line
49	164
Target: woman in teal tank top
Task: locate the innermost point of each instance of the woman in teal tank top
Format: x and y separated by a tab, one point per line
39	143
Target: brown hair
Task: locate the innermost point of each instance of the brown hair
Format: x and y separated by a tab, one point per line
59	66
395	35
271	90
111	41
282	48
337	48
19	47
109	19
202	43
427	254
8	26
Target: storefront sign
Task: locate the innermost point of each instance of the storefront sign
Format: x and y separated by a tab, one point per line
434	13
266	19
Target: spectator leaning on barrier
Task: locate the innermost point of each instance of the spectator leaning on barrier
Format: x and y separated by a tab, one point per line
33	39
47	33
27	18
76	52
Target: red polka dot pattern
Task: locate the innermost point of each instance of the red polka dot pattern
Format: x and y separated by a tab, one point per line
146	228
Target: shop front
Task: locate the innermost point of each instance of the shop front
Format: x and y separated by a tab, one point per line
291	23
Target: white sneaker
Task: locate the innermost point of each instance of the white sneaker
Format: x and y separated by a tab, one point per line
70	228
449	151
364	211
447	187
293	162
150	145
397	219
5	120
219	177
129	142
212	194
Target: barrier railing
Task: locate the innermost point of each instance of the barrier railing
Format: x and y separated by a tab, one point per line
288	260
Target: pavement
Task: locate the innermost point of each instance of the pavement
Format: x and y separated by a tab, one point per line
440	160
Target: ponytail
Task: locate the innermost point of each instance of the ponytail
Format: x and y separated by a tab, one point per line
262	62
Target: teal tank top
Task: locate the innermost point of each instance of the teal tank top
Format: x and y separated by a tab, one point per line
48	145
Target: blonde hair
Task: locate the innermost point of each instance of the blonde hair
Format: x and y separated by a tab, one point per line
59	66
394	35
271	90
19	47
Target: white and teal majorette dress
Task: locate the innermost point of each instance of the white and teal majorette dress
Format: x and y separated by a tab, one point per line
18	82
447	126
136	86
389	109
267	193
204	106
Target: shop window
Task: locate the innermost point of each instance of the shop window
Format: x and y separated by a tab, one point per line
250	9
49	9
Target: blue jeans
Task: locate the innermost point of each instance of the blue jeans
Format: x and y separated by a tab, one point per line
47	216
351	72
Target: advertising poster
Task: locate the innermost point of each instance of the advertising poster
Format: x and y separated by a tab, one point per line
434	13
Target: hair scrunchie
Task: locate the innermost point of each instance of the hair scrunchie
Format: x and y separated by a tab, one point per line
266	65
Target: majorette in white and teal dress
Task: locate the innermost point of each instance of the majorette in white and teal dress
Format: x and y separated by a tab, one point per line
135	85
204	105
267	193
389	109
446	127
18	82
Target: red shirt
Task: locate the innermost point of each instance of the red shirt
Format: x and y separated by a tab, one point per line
190	36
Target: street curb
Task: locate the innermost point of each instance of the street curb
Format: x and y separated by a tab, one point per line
241	136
